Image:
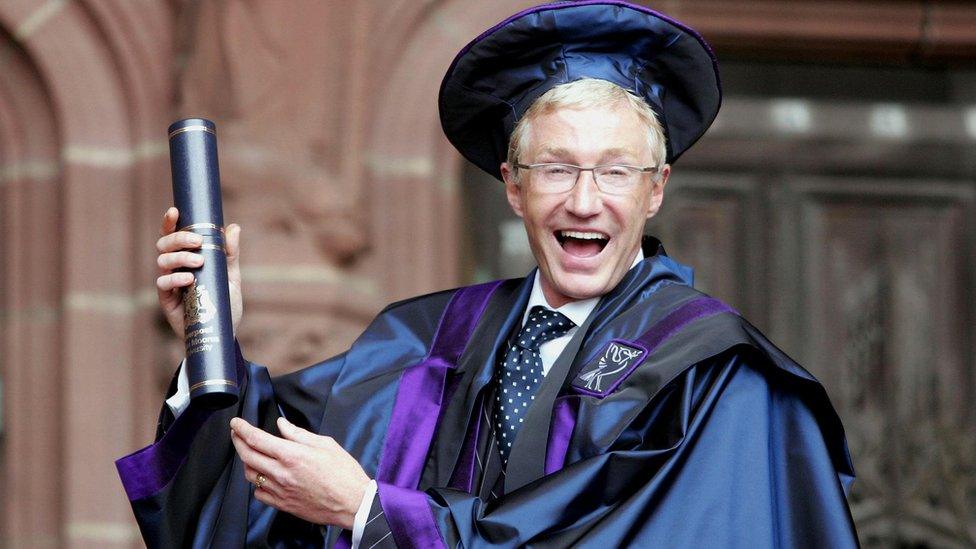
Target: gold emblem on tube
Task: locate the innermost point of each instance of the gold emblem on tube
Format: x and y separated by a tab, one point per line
199	307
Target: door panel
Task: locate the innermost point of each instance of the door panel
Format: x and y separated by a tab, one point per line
868	283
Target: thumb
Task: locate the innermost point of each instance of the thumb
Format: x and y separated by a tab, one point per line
233	243
294	433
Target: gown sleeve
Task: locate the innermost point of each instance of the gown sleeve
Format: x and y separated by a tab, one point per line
730	454
187	489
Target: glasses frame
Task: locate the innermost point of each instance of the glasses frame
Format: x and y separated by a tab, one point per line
642	169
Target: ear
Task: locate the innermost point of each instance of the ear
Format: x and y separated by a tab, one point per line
513	191
657	191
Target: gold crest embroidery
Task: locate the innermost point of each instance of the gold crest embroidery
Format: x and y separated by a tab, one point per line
198	305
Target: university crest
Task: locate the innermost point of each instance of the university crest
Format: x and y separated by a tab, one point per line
604	374
198	306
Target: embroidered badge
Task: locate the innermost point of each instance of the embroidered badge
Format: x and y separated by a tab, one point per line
604	374
198	306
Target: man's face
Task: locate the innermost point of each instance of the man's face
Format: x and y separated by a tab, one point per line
584	240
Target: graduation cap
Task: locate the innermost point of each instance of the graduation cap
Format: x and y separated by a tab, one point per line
497	76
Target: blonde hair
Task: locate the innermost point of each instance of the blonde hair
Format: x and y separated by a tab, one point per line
587	92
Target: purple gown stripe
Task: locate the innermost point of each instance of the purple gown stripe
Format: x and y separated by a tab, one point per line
676	320
563	423
410	517
565	409
419	397
416	409
412	424
147	471
459	320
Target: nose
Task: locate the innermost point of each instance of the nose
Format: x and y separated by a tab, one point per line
585	199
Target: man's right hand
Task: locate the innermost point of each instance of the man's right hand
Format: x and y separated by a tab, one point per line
174	254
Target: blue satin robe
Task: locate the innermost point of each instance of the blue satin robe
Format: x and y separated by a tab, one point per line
716	439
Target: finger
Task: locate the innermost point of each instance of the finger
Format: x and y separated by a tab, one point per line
180	240
177	260
253	458
302	436
269	484
268	498
169	221
251	475
172	281
233	243
259	440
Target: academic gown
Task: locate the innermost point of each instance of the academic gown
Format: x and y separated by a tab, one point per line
675	424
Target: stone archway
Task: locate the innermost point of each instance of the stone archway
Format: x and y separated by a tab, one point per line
30	321
84	100
414	175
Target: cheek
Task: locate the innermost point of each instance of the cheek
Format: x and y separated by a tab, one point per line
631	212
538	210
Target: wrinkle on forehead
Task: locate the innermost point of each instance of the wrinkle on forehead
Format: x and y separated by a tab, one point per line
594	135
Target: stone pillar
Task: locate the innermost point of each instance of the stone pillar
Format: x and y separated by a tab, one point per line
87	109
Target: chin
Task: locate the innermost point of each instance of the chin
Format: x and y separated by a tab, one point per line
577	287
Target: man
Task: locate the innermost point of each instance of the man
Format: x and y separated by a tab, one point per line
600	400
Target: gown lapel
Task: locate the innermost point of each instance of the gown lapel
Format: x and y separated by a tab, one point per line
473	372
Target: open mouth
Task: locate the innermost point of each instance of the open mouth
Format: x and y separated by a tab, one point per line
582	243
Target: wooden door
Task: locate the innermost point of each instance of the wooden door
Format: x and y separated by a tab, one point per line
868	283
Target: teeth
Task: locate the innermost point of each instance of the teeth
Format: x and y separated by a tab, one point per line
583	235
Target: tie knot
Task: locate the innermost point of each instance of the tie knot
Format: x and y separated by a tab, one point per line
543	325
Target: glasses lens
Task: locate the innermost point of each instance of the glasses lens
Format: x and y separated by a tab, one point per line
612	178
617	178
557	177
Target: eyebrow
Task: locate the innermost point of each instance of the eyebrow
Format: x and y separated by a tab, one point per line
609	153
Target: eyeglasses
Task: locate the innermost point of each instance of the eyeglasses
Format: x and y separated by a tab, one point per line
554	177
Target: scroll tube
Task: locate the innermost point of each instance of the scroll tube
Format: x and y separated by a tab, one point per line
208	326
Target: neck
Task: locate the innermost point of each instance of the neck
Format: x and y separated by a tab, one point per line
554	298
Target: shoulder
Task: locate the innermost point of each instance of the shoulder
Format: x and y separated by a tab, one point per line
768	388
425	301
764	372
692	323
415	321
434	305
686	327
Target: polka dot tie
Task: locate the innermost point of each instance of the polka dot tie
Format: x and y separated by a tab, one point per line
520	373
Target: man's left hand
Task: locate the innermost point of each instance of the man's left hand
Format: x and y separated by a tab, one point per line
304	474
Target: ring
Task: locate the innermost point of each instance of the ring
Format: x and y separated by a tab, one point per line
260	480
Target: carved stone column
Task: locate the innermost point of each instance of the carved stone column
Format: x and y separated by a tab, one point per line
84	97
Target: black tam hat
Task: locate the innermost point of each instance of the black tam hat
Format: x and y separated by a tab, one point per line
496	77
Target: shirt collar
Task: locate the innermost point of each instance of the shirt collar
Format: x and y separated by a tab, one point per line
577	311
